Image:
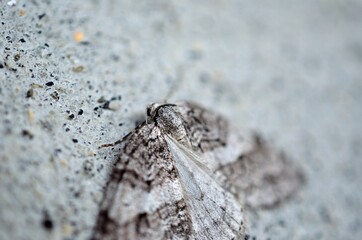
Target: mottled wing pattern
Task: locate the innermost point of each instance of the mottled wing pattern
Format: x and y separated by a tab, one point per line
143	198
215	213
262	177
206	130
244	164
210	135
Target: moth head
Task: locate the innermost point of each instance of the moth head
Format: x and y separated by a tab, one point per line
152	110
168	118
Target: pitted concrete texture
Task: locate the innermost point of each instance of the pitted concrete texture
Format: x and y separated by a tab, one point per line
78	74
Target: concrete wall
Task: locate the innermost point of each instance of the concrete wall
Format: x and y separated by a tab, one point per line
78	74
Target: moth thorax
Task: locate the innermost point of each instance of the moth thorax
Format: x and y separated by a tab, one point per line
171	122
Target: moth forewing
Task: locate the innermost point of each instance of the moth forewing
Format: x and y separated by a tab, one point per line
215	213
143	198
263	176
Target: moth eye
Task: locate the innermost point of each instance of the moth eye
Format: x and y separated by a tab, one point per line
148	111
151	110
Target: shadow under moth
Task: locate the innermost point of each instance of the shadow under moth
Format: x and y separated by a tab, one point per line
185	173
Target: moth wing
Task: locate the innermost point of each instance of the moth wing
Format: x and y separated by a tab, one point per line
210	137
143	198
215	213
262	177
255	172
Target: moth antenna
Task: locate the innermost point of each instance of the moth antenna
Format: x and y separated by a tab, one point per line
179	79
110	144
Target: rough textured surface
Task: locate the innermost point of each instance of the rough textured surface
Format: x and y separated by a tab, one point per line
290	70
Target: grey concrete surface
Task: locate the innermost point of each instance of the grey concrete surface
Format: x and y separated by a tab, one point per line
292	70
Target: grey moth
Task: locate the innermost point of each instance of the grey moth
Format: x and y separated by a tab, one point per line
186	173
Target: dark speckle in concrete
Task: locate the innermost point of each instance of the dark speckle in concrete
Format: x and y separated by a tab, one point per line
30	93
55	95
47	222
229	56
27	134
49	84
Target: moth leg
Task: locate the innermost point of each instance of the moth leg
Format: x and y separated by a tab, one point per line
110	144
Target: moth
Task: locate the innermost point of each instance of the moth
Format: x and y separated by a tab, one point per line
185	173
